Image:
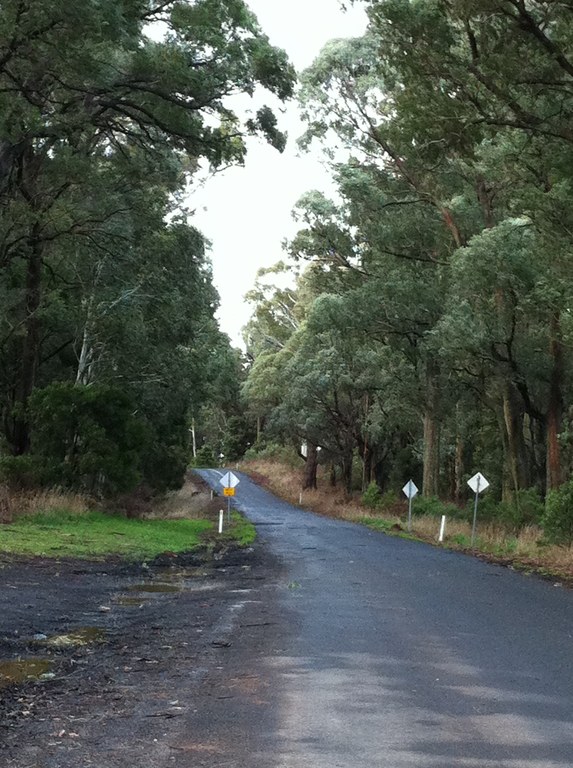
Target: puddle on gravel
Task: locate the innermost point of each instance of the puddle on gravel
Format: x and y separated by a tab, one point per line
77	637
157	587
23	671
138	601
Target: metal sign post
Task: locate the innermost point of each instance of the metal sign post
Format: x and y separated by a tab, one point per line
229	483
477	483
410	490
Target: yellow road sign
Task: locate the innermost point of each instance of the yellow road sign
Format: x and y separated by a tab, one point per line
228	491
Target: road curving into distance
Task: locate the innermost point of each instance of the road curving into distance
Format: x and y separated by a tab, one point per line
400	655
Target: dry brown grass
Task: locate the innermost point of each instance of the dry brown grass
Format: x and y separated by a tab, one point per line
190	502
524	550
49	500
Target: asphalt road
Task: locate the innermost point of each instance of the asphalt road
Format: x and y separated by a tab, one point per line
400	655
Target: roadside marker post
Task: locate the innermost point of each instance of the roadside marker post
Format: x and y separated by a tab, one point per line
442	529
410	490
229	483
477	483
221	516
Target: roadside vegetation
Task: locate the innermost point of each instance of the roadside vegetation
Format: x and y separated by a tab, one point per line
56	524
419	323
525	546
97	534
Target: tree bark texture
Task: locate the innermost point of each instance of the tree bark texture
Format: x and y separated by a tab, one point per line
431	474
30	345
555	407
310	468
516	451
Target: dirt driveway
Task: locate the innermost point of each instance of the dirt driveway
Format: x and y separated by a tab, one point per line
138	665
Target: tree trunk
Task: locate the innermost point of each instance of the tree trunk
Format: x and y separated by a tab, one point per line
431	475
31	344
459	469
332	476
310	468
347	473
367	459
555	407
84	373
515	445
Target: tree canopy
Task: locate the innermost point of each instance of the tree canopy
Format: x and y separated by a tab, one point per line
107	110
435	340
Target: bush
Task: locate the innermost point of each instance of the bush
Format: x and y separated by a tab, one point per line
21	472
274	452
389	500
372	497
86	437
205	458
433	507
557	520
525	508
164	466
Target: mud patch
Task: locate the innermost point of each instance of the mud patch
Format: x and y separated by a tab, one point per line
139	602
77	638
155	587
23	671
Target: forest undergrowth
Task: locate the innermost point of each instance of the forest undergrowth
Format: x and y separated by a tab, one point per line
524	549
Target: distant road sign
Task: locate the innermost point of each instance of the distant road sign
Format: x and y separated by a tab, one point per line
228	491
478	483
410	489
229	480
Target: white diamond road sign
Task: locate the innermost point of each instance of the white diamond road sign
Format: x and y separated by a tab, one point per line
478	483
229	480
410	490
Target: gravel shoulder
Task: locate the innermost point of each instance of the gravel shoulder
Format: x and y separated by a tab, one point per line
169	675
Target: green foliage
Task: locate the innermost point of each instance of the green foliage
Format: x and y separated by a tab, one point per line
163	466
87	437
282	454
557	521
375	499
433	507
372	497
205	458
525	508
21	471
102	280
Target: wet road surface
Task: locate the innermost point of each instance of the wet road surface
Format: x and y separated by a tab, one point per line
397	654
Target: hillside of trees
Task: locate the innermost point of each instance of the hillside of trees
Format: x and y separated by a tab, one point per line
429	327
110	353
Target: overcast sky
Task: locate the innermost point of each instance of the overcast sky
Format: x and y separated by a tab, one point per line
246	212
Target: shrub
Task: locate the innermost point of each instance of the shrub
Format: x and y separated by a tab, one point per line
21	472
204	458
372	497
389	500
432	506
557	520
525	508
274	452
87	437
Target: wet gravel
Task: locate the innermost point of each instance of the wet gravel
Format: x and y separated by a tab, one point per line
157	665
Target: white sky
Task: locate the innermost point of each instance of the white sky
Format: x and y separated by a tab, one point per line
246	212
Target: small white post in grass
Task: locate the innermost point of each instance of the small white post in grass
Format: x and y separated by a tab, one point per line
442	529
221	517
300	499
212	494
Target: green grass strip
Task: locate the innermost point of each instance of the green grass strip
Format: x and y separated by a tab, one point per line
97	535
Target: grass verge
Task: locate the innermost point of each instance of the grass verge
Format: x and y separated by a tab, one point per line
97	535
